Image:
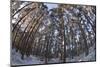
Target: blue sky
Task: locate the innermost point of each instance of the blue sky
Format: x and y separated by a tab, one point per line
50	6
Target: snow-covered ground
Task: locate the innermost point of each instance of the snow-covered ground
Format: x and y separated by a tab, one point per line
16	58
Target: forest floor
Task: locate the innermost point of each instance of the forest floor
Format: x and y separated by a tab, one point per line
16	58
